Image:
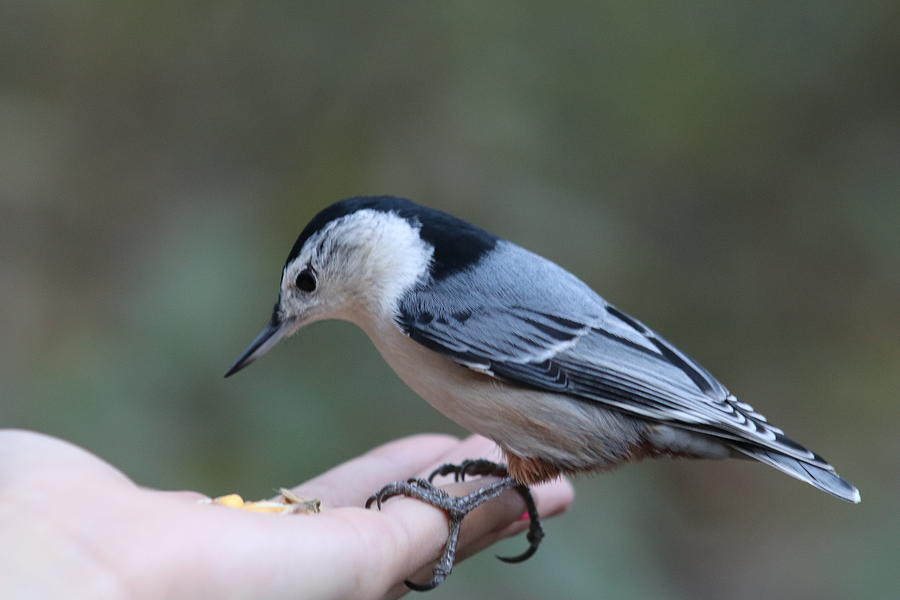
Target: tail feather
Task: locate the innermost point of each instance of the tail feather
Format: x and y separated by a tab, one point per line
824	479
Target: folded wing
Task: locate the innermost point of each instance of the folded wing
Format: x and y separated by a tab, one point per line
565	338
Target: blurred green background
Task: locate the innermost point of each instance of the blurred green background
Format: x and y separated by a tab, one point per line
727	172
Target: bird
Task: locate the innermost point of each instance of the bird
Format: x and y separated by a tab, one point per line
512	346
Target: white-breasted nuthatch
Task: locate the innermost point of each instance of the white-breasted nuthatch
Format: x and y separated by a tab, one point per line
515	348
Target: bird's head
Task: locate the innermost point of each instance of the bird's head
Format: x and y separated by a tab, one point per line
353	261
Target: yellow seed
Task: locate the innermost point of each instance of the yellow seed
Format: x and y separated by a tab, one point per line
291	504
232	500
266	506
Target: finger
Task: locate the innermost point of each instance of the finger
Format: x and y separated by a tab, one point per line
415	532
32	455
350	483
185	496
352	552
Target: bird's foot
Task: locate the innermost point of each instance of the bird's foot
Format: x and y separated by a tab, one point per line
458	507
484	468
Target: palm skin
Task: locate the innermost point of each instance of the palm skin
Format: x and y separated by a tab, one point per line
74	526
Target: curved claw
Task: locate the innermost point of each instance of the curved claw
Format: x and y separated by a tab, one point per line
378	499
535	529
481	467
424	587
532	548
534	537
382	498
446	469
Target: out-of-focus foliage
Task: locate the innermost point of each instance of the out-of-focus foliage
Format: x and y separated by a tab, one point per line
727	172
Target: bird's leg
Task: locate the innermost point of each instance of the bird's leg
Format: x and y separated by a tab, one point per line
458	507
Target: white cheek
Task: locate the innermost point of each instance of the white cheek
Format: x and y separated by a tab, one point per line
387	257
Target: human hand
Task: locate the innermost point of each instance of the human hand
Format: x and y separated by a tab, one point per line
73	526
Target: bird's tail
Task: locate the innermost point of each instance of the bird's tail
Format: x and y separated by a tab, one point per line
823	478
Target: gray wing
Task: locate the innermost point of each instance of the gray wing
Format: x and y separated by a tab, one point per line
528	321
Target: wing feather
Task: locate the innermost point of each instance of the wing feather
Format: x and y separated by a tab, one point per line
566	339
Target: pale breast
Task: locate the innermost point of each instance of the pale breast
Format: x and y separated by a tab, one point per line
570	433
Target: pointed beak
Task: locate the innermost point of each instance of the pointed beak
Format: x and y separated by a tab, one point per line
265	341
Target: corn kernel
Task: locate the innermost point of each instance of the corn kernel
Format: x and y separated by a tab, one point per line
232	500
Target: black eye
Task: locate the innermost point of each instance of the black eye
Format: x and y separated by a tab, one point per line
306	281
